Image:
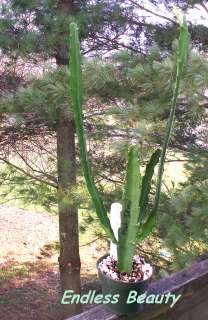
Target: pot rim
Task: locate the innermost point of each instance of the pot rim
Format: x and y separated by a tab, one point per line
118	281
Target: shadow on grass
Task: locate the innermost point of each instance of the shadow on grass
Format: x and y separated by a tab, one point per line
31	290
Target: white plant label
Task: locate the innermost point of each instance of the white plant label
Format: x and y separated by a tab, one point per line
115	221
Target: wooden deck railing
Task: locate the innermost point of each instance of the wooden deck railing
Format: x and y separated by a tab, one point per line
192	283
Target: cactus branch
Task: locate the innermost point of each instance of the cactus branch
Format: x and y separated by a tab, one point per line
146	183
76	96
182	49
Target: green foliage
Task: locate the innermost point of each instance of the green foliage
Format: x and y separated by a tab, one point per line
51	90
49	28
20	188
184	227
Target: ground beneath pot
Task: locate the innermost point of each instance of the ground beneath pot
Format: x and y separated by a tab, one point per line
29	277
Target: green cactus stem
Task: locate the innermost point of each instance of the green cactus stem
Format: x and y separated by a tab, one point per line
77	99
182	50
130	212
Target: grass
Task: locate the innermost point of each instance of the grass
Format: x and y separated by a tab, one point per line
10	272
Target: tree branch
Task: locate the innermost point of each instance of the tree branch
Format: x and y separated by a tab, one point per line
204	7
152	12
28	174
35	170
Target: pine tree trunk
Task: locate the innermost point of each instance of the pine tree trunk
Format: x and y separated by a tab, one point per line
69	259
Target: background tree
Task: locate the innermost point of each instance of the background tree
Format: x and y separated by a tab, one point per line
41	31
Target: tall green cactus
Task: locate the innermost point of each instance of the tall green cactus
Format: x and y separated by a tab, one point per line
76	97
136	222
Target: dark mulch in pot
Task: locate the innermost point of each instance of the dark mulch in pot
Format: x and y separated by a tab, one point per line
140	270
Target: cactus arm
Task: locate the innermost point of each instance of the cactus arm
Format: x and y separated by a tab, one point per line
183	44
76	96
147	228
130	212
182	49
146	183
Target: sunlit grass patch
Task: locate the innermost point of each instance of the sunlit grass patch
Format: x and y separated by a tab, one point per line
12	271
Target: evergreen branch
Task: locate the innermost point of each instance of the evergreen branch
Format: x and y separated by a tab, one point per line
155	256
152	12
90	242
204	7
28	174
15	198
104	39
49	176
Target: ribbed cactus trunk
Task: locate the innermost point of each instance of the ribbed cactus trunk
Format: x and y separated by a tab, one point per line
130	212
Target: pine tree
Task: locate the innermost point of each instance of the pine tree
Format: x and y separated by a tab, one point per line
34	30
